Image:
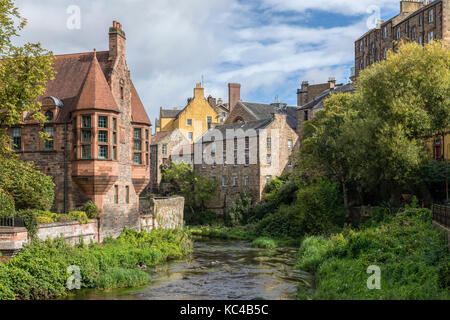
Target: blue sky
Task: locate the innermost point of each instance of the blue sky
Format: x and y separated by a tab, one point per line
269	46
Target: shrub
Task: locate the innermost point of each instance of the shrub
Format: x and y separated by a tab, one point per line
30	188
239	211
63	218
91	209
79	216
200	217
30	219
285	222
44	220
265	243
313	252
7	206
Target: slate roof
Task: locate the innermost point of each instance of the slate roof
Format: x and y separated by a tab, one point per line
245	126
159	136
71	75
264	111
317	102
170	113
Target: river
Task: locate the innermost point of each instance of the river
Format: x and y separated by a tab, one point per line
217	270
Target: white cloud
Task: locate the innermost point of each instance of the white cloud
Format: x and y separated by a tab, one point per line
345	7
172	43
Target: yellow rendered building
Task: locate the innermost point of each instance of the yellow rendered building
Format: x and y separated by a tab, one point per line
195	119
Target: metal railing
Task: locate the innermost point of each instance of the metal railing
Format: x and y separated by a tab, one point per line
14	221
441	214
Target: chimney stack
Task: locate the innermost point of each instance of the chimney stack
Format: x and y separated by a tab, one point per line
117	40
408	6
332	82
234	95
302	94
199	92
212	101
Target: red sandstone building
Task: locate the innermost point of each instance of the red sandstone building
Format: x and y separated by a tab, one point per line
419	21
100	135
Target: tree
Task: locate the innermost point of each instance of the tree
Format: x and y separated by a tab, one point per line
196	190
375	136
24	72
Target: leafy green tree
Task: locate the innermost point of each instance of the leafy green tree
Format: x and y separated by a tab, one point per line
376	136
196	190
24	71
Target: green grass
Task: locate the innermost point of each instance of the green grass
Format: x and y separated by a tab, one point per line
264	243
412	257
40	270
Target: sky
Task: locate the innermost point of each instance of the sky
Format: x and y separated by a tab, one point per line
268	46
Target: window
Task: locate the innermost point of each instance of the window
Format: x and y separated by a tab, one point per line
189	122
269	143
268	179
421	40
137	158
164	149
224	181
235	160
247	160
399	32
121	93
213	148
290	146
235	181
269	159
114	137
127	194
361	64
103	122
373	49
146	134
420	20
103	152
137	139
360	46
245	180
235	144
407	29
367	60
430	36
431	16
247	143
413	33
114	124
214	164
384	32
209	122
305	115
49	115
114	153
48	144
86	151
116	194
190	136
17	139
86	122
103	136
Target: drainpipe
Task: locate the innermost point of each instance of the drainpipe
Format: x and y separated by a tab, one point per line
66	166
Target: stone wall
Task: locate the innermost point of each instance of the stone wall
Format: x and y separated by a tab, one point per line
165	213
72	231
12	240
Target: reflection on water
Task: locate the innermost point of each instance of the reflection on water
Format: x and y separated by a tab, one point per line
218	270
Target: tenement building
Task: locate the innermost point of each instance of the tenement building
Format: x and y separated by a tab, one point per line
420	21
245	154
100	135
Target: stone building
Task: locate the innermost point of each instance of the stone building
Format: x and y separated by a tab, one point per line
307	111
418	21
194	119
245	154
308	92
100	135
165	147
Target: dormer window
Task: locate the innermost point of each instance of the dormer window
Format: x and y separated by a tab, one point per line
49	115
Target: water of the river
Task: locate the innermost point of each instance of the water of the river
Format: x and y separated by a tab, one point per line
218	270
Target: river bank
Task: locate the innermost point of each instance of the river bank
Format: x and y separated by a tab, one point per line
218	269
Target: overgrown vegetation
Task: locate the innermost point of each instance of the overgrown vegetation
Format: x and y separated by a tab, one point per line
196	190
40	271
412	256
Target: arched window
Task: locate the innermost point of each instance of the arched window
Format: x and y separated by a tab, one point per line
49	115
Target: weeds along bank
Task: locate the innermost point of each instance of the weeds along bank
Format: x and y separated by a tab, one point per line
411	254
41	269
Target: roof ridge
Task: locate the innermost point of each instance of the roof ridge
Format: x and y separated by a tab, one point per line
79	53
